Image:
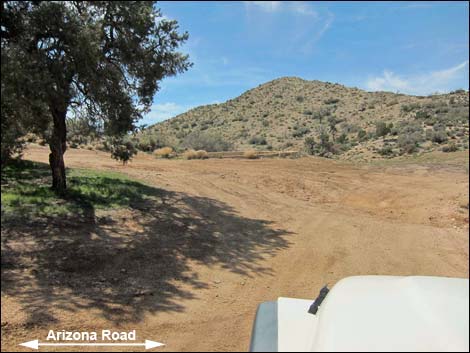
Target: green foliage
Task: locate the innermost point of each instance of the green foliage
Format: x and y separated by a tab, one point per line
81	131
300	131
408	143
210	142
97	59
324	147
121	148
26	193
332	121
348	128
150	140
422	114
386	151
76	52
439	136
257	140
331	101
362	135
12	131
310	145
381	129
406	108
452	147
342	139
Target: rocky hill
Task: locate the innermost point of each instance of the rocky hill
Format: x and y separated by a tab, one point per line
320	118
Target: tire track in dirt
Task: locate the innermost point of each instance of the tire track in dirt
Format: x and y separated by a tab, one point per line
339	220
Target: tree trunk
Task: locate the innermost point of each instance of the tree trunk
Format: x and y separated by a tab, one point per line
58	146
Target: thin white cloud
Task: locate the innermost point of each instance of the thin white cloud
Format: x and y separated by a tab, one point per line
324	26
297	7
303	8
267	6
420	84
309	23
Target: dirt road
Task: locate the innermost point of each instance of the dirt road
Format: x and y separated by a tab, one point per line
230	234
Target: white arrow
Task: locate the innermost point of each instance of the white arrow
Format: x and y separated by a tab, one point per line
148	344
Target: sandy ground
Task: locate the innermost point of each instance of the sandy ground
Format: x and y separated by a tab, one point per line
228	235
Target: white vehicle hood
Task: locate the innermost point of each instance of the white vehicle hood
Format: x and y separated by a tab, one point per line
380	313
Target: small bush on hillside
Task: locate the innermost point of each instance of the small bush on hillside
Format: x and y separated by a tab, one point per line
439	136
164	152
210	142
452	147
256	140
300	131
362	135
386	151
149	141
408	128
348	128
324	147
310	145
331	101
406	108
408	143
381	129
422	115
342	139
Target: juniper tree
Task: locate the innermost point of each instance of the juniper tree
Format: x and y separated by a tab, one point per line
102	60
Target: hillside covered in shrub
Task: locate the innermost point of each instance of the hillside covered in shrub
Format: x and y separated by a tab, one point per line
320	118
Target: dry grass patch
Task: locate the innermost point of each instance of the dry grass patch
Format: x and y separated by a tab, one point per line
192	154
250	154
164	152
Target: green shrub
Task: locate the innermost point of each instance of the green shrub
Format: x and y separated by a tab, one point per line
300	131
362	135
310	145
381	129
122	149
406	108
209	142
386	150
342	139
422	115
408	143
348	128
439	136
256	140
331	101
149	141
452	147
11	144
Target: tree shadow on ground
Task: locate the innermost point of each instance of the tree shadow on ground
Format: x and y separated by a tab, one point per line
128	260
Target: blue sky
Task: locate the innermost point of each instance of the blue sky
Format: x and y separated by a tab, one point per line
409	47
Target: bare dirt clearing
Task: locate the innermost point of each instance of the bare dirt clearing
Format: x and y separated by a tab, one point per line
189	268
